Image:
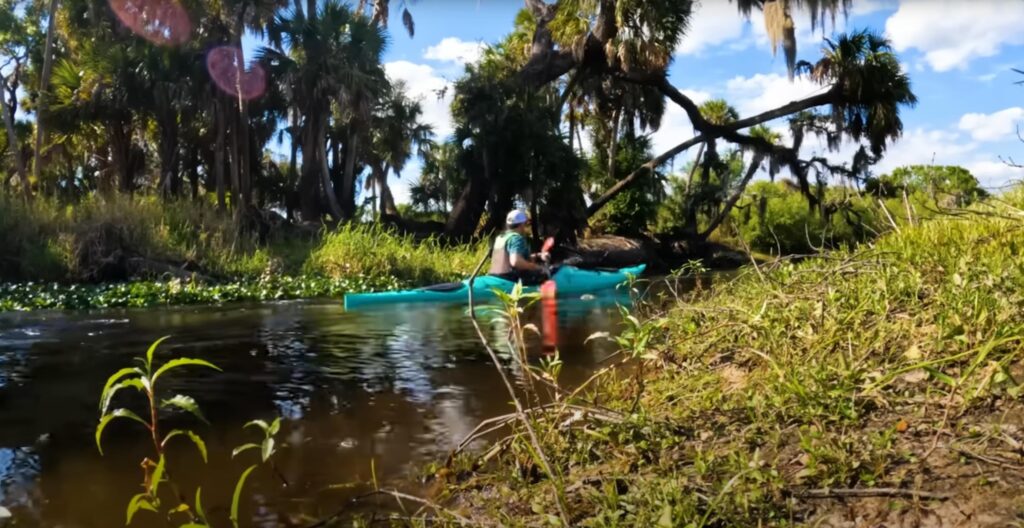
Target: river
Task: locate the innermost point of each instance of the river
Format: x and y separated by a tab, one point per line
365	394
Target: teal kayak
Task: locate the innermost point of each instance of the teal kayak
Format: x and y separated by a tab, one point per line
569	281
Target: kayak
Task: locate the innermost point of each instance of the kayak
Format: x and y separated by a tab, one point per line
569	280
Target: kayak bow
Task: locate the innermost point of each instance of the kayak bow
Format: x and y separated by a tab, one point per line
568	280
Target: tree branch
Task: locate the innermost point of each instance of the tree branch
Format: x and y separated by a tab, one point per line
619	186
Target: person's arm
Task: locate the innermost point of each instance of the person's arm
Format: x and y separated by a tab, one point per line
521	263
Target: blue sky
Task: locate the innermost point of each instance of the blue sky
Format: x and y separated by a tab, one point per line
959	55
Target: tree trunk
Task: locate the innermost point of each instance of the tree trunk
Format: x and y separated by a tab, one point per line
693	169
168	147
387	199
218	154
325	174
193	172
13	145
348	180
613	143
309	203
121	155
44	89
469	207
755	164
243	195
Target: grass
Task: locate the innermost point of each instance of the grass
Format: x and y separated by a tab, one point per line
889	370
141	251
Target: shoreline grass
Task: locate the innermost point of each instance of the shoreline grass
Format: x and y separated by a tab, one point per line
136	252
879	383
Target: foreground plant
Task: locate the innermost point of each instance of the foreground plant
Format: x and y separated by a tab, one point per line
880	383
144	379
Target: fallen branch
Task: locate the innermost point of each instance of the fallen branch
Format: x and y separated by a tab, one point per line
839	493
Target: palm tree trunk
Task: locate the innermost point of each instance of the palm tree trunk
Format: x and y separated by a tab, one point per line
218	154
44	89
325	174
121	155
241	137
693	168
12	139
755	164
387	199
613	143
348	180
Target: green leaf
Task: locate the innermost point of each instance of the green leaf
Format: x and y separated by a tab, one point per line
149	353
182	362
158	475
139	502
258	423
199	504
196	439
107	418
267	448
242	448
940	376
275	426
108	394
185	403
236	498
114	378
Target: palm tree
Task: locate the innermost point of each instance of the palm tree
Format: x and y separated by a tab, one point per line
332	55
44	89
396	130
716	112
870	85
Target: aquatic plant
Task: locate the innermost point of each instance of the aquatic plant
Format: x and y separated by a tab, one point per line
156	474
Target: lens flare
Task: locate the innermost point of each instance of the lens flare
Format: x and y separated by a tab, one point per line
224	63
163	22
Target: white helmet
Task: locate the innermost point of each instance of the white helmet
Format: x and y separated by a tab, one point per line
516	217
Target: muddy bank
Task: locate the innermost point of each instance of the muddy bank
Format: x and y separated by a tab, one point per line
661	256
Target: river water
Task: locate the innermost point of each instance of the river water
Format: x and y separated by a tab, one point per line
370	393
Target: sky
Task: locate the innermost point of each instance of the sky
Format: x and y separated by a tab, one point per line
960	56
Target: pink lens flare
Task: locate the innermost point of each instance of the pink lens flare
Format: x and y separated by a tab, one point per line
163	22
223	64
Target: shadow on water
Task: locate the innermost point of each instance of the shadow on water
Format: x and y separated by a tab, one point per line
399	385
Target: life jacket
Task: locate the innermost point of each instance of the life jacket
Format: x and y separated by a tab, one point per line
501	262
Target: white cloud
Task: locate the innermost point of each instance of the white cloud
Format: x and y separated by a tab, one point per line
761	92
996	126
423	83
951	33
993	174
922	146
714	22
452	49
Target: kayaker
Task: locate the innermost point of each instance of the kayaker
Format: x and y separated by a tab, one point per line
511	258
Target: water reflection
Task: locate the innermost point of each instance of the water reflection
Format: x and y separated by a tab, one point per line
398	385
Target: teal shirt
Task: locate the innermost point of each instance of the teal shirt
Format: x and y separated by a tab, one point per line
515	244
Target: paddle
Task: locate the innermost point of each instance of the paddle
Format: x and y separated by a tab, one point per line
547	290
549	306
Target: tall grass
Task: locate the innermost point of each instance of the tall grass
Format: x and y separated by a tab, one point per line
374	251
892	370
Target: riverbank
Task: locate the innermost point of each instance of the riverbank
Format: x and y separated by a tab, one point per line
880	385
137	252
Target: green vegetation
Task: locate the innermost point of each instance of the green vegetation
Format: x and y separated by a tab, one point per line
188	253
889	371
171	504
